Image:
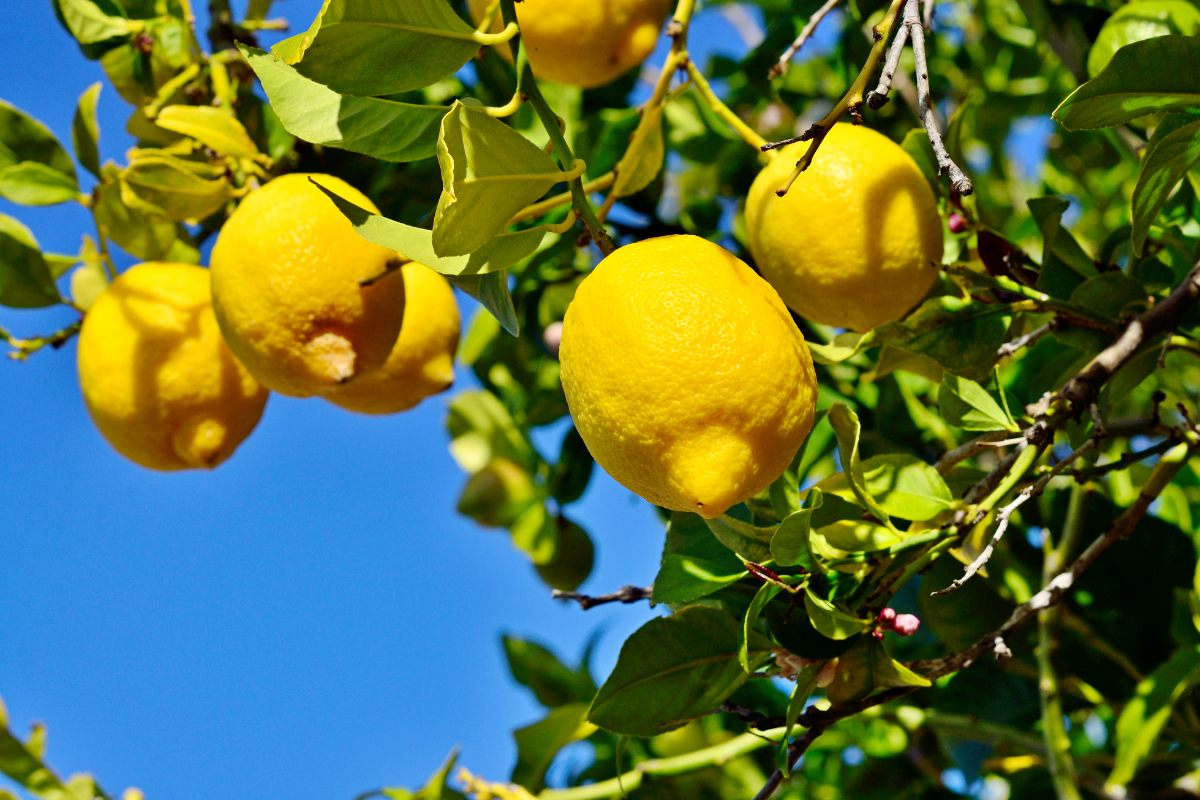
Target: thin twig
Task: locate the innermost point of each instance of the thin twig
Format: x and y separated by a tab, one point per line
626	594
1028	340
879	96
785	60
1127	460
929	4
912	20
23	348
965	451
795	750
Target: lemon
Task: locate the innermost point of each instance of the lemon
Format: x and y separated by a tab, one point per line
422	360
686	375
857	239
156	376
584	43
286	274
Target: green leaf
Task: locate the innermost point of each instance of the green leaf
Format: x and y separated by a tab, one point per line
535	534
87	283
34	184
500	253
1058	243
368	48
848	429
694	562
785	490
89	23
765	594
489	173
539	743
18	762
968	405
572	560
373	126
1165	162
1148	77
670	671
85	133
789	545
25	280
553	683
482	429
644	159
961	335
1141	20
1144	717
806	682
829	620
169	186
866	667
435	788
23	138
211	127
748	541
900	483
492	291
149	238
1111	293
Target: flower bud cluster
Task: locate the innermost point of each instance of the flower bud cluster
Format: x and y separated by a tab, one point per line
901	624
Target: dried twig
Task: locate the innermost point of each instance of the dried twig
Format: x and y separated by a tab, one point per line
1028	340
912	21
626	594
878	97
965	451
785	60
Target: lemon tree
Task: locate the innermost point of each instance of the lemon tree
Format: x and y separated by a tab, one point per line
914	391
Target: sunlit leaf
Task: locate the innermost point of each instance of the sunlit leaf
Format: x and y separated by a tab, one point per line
830	620
1135	22
848	429
539	743
491	289
748	541
147	237
1166	160
90	22
644	159
34	184
694	562
968	405
23	138
211	127
85	133
169	187
765	594
789	545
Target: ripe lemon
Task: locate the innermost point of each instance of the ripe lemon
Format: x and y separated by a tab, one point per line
857	239
285	276
156	376
422	360
584	43
687	377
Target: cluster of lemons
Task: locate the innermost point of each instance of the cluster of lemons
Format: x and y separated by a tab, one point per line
175	361
684	370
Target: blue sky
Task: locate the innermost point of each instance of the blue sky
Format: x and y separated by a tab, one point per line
310	619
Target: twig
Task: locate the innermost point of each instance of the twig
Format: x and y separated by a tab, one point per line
971	448
1127	460
929	4
879	96
785	60
626	594
23	348
912	20
795	750
1028	340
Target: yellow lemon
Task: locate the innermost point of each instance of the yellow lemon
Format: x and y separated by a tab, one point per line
286	273
158	380
584	43
422	360
686	375
857	239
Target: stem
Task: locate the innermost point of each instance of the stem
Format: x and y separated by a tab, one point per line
549	204
724	112
912	21
785	60
527	86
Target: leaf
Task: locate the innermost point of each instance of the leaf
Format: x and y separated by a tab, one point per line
765	594
34	184
1141	20
748	541
694	562
89	23
847	428
806	682
169	187
1144	717
961	335
373	126
87	283
417	243
785	490
27	769
1057	243
1111	293
85	133
146	237
829	620
671	670
539	743
482	430
866	667
902	485
367	48
968	405
492	291
23	138
435	788
25	280
211	127
552	682
1148	77
1165	162
644	158
789	545
489	173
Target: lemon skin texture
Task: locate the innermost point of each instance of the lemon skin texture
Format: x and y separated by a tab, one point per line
585	43
857	239
156	376
285	275
686	375
422	360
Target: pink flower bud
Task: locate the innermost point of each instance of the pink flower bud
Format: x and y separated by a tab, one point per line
957	223
877	634
906	624
552	337
887	617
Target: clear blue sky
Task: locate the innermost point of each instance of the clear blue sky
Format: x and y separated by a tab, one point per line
311	619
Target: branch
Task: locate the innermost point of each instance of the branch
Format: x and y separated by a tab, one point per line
23	348
971	448
795	750
1028	340
785	60
626	594
912	21
878	98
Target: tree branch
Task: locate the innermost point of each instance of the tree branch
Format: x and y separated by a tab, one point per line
626	594
912	21
785	60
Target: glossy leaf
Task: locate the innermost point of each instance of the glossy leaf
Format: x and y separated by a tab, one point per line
765	594
489	173
89	23
211	127
1148	77
25	280
831	621
785	490
553	683
23	138
806	683
644	158
539	743
968	405
168	186
368	47
1141	20
671	670
85	133
373	126
482	429
694	562
789	545
866	667
960	335
1165	162
1057	243
848	429
34	184
748	541
491	290
148	238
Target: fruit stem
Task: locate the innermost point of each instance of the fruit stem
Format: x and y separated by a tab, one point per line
725	112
